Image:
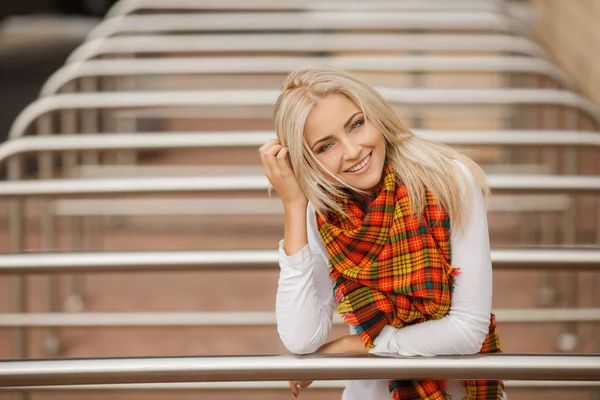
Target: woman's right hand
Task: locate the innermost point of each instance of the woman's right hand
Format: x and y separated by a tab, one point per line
274	159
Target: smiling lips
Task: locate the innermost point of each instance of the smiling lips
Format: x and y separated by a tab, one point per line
361	165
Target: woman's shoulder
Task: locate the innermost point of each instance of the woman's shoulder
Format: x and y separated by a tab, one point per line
464	169
466	178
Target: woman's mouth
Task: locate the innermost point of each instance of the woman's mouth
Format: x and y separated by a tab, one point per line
362	166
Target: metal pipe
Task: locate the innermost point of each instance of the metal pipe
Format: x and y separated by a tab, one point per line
548	289
240	260
568	338
266	98
85	187
75	301
51	342
16	231
126	7
282	65
252	318
141	141
305	43
598	274
274	21
288	367
272	385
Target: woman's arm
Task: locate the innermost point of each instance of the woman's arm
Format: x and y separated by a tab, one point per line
304	304
464	328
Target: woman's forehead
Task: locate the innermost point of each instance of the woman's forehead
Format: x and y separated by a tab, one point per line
329	115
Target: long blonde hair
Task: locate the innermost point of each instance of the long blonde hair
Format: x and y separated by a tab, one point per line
418	162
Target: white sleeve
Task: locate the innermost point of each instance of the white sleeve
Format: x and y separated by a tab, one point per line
304	305
464	328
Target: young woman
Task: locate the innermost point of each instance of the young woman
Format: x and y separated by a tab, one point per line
389	228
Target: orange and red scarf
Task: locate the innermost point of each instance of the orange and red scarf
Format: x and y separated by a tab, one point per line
390	267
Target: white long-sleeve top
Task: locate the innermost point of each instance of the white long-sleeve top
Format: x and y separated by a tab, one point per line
305	302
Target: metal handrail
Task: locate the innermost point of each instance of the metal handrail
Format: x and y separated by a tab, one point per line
174	140
311	43
251	318
288	367
125	7
266	98
305	21
274	385
251	182
248	65
242	260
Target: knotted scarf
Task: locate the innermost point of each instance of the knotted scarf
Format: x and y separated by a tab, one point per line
390	267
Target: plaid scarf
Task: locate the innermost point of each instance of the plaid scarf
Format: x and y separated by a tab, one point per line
393	268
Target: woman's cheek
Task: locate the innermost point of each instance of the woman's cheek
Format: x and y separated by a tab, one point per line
331	164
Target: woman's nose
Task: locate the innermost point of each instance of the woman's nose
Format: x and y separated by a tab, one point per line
351	150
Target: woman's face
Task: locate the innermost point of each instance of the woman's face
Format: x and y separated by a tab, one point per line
337	134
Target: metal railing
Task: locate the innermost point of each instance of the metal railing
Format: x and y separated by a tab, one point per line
304	43
273	385
286	367
82	187
208	98
322	21
266	98
70	73
558	315
88	187
243	260
252	318
253	139
125	7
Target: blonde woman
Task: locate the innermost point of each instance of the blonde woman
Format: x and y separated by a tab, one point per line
388	228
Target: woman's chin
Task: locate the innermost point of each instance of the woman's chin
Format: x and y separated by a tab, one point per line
367	182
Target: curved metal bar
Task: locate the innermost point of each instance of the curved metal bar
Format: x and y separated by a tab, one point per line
248	65
125	7
289	367
84	187
252	318
155	44
240	260
267	98
305	21
174	140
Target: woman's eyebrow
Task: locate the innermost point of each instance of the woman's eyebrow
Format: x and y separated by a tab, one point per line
324	139
351	118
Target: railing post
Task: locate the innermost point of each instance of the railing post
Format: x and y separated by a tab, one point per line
19	284
568	338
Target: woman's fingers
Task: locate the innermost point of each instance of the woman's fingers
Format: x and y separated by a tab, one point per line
305	384
268	153
282	159
270	159
274	158
295	386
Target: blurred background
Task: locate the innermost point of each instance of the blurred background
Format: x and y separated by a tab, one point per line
130	173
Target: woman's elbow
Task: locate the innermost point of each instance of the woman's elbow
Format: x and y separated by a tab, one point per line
298	345
474	338
302	341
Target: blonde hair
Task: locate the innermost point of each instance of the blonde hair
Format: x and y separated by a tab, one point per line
418	162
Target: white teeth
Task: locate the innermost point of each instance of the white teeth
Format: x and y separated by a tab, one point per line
361	165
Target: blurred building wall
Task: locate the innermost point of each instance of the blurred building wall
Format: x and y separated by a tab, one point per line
570	31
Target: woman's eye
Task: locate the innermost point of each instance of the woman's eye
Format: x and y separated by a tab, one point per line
325	147
357	124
